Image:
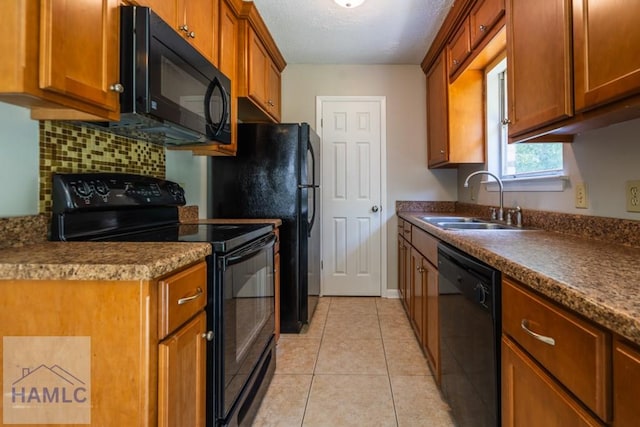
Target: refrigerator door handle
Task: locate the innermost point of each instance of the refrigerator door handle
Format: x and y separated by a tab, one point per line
313	185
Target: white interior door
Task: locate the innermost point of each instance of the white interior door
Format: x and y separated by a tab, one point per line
352	133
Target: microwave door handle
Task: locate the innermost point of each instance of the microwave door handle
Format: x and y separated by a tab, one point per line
207	109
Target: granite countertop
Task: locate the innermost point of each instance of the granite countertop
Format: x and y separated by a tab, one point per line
97	260
596	279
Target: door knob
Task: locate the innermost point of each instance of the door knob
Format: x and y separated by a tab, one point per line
374	208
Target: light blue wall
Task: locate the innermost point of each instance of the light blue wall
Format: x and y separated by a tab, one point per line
19	163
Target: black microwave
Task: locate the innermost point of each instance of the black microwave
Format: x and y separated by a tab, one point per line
170	94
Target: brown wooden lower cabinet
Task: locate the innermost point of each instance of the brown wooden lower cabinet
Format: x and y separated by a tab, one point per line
418	288
531	398
182	376
626	384
139	376
418	285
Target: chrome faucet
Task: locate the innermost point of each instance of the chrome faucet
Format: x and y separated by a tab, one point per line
501	210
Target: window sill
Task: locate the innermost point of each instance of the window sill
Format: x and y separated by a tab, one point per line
539	183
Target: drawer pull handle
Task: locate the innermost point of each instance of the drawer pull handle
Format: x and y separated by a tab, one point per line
547	340
191	298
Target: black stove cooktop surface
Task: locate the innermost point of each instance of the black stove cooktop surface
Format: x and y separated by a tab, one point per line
223	237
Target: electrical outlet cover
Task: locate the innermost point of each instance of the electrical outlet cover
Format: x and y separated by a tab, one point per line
582	201
633	196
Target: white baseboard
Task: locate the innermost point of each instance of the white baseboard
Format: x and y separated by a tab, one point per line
392	293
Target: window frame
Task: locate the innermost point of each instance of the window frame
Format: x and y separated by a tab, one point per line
550	180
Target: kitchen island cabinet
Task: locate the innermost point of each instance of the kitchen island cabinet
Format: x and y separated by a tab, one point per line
145	349
61	59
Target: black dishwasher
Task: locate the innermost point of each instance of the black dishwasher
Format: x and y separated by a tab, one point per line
469	304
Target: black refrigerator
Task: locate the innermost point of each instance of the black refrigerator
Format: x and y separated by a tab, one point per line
276	174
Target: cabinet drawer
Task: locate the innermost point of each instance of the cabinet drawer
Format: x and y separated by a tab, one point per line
181	296
459	48
576	352
426	244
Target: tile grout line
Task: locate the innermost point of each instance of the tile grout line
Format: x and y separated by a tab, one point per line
313	373
384	352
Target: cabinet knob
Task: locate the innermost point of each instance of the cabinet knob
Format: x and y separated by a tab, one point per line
184	28
441	151
456	62
116	87
506	121
191	34
483	28
208	336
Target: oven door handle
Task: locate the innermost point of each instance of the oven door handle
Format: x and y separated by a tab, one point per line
251	250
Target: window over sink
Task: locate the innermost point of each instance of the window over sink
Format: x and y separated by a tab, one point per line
522	167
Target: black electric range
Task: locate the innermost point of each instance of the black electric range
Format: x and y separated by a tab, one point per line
240	277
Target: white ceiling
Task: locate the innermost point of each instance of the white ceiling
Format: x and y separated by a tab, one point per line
378	32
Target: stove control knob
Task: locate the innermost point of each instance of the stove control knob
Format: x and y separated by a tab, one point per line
102	189
83	191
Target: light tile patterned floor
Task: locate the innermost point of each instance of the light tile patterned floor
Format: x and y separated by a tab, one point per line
357	364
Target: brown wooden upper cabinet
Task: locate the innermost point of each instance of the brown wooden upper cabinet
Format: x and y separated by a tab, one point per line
196	20
562	52
459	48
483	17
538	63
228	64
606	36
471	37
259	68
61	58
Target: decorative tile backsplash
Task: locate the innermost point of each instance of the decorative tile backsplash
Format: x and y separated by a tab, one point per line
72	147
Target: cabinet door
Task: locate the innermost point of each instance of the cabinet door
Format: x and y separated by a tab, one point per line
273	98
407	280
228	52
437	112
606	36
530	398
200	17
540	89
459	48
182	376
432	320
165	9
418	280
484	15
79	50
402	251
626	385
258	60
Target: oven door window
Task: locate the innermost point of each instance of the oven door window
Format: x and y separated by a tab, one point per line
248	315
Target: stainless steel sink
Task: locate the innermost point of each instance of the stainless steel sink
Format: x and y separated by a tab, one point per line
474	226
465	223
437	219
